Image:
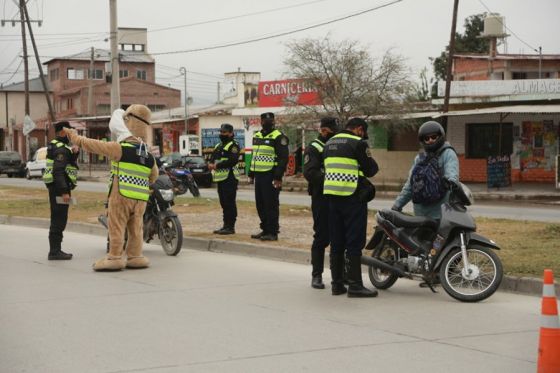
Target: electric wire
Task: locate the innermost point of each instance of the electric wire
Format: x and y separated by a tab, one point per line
231	44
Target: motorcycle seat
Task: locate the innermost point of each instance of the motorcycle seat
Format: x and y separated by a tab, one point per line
399	219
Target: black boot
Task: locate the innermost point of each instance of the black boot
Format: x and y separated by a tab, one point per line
317	282
356	287
346	271
337	267
60	255
217	231
225	230
55	252
257	236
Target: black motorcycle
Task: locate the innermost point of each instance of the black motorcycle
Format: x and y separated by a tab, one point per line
446	251
159	218
181	177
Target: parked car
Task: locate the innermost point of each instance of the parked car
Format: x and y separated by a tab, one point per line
36	166
11	164
195	163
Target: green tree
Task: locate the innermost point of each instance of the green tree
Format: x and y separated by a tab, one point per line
468	42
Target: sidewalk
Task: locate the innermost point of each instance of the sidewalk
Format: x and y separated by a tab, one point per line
521	192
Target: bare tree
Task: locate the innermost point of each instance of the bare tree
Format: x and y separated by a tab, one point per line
349	81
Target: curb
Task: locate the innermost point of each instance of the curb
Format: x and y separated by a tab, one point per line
521	285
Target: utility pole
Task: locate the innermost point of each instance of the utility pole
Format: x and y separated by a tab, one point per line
90	83
41	74
115	80
25	71
218	98
183	71
448	77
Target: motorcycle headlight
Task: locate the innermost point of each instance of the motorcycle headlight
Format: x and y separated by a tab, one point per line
166	194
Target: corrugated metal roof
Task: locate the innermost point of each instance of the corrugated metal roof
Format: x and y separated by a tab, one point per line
104	56
35	85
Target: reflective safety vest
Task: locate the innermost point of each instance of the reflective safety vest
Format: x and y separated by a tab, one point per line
319	145
264	154
70	170
220	174
341	171
133	174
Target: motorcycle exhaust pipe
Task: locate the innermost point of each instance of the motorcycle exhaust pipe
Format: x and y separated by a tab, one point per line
376	263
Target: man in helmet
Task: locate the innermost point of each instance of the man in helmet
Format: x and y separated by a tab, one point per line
425	185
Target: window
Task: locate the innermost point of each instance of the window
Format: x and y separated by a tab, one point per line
483	139
103	109
53	74
97	74
69	104
154	108
123	73
141	74
74	74
518	75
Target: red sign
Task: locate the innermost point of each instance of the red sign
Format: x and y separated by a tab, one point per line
276	93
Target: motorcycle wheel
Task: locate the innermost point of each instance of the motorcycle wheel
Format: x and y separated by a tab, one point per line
482	282
193	187
171	235
388	253
180	188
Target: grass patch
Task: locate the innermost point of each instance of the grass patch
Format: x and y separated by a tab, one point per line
527	247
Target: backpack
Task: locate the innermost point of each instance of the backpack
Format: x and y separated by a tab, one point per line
427	180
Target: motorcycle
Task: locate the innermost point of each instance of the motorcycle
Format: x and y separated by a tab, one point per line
182	179
159	218
448	251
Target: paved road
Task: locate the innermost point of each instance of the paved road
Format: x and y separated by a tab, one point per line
209	312
492	210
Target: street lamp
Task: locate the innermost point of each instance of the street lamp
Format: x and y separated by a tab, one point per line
183	72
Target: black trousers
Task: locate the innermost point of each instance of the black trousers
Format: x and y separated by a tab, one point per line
59	218
227	191
321	239
348	225
268	204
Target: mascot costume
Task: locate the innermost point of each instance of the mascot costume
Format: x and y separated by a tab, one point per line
133	169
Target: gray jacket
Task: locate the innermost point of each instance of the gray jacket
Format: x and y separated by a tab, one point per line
449	163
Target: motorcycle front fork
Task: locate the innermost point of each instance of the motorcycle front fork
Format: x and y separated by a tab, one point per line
466	265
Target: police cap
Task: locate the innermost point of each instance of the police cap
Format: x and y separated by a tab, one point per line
60	125
267	115
226	127
329	122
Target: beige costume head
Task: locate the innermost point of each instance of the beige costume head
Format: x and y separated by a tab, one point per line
137	119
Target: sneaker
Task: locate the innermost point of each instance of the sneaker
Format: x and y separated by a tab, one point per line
60	255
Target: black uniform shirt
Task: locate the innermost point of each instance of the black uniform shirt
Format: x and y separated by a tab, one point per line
314	168
61	157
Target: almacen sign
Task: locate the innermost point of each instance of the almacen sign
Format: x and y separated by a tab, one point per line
474	88
277	93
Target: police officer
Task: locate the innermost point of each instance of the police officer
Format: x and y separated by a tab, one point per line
270	158
314	173
60	176
225	173
348	163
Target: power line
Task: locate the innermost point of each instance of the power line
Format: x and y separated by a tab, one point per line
216	20
15	72
280	34
507	28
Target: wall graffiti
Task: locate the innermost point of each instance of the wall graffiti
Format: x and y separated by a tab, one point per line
537	145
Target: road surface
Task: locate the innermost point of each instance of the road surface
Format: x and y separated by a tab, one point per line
210	312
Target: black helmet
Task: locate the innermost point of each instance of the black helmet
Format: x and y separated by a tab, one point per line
430	128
